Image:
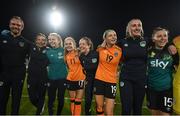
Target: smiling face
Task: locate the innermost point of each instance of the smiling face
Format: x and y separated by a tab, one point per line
160	38
84	46
110	37
54	41
134	28
40	41
69	44
16	26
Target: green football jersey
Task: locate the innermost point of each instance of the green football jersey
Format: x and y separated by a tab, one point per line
160	69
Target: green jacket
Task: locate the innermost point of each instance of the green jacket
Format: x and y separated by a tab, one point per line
57	67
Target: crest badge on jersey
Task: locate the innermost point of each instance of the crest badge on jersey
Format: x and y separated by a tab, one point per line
44	51
125	45
34	49
21	44
94	60
121	84
60	55
4	41
142	43
115	53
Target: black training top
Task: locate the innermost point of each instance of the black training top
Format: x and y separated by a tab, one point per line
90	63
38	62
134	63
14	51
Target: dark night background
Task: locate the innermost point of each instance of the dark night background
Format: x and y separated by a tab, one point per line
91	17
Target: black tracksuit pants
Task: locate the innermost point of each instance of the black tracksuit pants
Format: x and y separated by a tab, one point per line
88	94
56	87
11	83
37	91
132	94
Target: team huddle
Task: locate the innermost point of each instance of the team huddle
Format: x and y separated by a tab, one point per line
141	65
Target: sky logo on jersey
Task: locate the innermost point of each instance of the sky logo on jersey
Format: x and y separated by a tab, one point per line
158	63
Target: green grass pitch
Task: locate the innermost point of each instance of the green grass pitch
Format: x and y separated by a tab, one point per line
26	108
